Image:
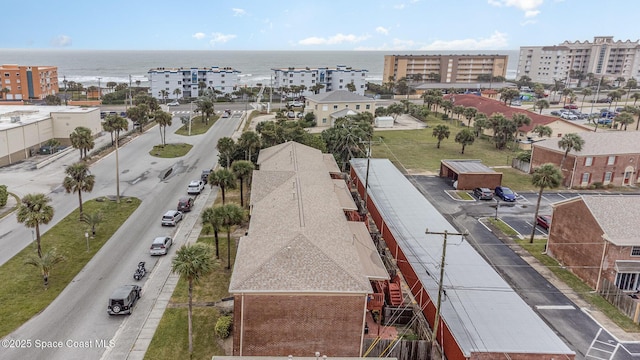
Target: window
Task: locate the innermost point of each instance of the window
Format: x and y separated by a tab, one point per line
335	107
368	107
627	281
585	178
358	107
635	251
607	177
611	160
166	76
324	120
588	161
166	82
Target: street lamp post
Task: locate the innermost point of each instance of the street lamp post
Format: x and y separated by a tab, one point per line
86	236
65	89
497	206
99	89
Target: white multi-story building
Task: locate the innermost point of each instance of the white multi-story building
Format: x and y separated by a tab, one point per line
188	81
330	79
603	57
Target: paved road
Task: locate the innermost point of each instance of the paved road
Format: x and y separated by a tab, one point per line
570	322
78	316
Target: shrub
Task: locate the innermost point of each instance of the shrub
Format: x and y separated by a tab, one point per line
524	156
445	116
4	195
223	327
598	185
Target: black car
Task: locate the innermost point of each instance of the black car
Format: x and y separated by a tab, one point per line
556	113
123	299
483	193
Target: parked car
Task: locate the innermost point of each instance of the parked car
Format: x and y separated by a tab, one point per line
195	187
296	103
602	100
123	299
171	218
185	204
173	103
569	116
483	193
605	121
544	221
571	106
555	112
204	176
516	103
505	193
160	245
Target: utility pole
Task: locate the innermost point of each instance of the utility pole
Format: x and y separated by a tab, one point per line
436	321
117	170
130	98
99	88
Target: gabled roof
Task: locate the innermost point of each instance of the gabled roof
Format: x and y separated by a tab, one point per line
490	106
600	143
618	217
343	113
298	239
338	96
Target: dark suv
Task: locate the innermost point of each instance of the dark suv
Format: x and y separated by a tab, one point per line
123	299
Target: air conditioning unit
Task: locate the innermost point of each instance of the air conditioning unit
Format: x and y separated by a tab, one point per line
15	119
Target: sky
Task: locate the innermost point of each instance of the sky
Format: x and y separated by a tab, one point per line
385	25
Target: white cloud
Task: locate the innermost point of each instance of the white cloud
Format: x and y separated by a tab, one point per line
497	40
220	38
382	30
530	7
399	6
335	39
238	12
61	41
199	35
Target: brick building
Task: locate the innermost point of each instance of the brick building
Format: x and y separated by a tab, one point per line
596	237
470	174
301	280
28	82
607	157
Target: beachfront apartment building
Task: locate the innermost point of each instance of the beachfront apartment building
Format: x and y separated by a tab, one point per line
319	80
443	68
21	82
180	83
604	57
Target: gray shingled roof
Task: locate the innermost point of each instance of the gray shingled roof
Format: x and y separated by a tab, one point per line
338	96
483	312
600	143
618	217
298	239
343	113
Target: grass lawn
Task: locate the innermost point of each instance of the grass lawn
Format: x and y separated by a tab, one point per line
170	150
584	291
506	229
197	126
415	151
22	293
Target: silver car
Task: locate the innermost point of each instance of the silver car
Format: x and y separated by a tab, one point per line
161	245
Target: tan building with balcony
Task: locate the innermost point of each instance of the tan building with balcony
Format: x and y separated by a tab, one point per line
28	82
443	68
327	107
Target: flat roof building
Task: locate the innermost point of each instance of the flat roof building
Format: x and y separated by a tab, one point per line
19	82
319	80
179	83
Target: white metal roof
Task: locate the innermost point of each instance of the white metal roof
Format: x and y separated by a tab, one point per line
483	312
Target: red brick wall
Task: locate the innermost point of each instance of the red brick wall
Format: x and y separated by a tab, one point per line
472	181
540	156
298	325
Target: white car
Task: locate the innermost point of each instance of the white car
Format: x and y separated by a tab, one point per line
173	103
195	187
569	116
160	245
296	103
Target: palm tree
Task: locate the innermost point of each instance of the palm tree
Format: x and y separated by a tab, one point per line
585	92
45	263
624	118
163	94
480	123
226	147
519	119
163	119
78	179
139	114
250	142
209	217
34	210
177	92
93	220
458	110
230	215
192	262
205	106
351	87
465	137
224	179
441	132
242	169
541	105
542	130
569	142
469	113
567	93
82	140
447	106
635	97
545	176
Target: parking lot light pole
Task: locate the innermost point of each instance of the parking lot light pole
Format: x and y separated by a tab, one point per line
86	235
497	206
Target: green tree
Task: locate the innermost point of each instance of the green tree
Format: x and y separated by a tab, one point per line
45	264
545	176
348	139
139	115
541	105
205	106
163	119
542	130
224	179
351	87
177	92
569	142
585	92
82	140
230	215
52	100
4	195
192	262
635	97
481	122
78	179
242	169
93	220
226	147
441	132
465	137
34	210
469	113
209	218
250	143
624	118
503	130
458	110
163	95
447	106
519	119
508	94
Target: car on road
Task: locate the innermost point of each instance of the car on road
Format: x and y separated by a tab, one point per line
160	245
123	299
602	100
483	193
571	106
204	176
195	187
173	103
544	221
296	103
226	113
185	204
171	218
505	193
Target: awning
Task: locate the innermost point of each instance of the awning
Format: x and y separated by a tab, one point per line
372	264
627	266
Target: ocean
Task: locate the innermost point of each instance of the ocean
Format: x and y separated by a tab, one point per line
86	66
